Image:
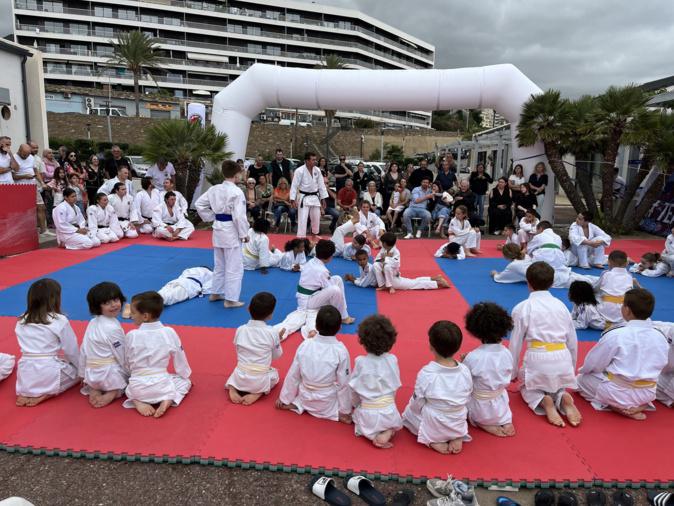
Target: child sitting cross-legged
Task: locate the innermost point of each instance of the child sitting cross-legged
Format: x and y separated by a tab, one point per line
510	235
437	411
318	379
366	277
152	390
584	312
102	358
374	382
296	253
491	366
257	344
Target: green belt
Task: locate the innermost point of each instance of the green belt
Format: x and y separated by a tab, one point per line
306	291
550	246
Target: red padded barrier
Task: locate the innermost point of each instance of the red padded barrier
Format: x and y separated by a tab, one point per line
18	231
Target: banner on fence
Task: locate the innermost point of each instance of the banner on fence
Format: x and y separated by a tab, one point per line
660	217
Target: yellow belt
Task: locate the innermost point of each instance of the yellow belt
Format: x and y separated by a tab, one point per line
250	255
148	372
255	369
487	395
97	363
381	402
445	408
540	345
317	386
630	384
616	299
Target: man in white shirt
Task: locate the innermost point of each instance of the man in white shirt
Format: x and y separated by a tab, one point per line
7	162
160	172
27	173
308	194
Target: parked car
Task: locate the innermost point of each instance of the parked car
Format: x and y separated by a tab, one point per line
139	165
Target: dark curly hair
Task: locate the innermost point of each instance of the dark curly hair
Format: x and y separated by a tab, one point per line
488	322
377	334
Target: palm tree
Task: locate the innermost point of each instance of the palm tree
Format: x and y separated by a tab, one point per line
187	145
135	51
332	62
547	118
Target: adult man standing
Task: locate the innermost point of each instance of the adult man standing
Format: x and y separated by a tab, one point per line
421	195
308	194
121	177
342	173
27	173
160	172
423	172
259	169
116	162
280	167
7	161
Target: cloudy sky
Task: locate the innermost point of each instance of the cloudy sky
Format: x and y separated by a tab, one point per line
576	46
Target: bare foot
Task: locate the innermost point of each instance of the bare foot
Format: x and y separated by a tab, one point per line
231	304
234	396
163	408
104	398
469	254
214	297
383	439
380	288
250	399
21	400
495	430
349	320
343	418
34	401
508	429
442	282
391	290
599	266
287	407
551	412
476	251
455	446
126	312
94	396
633	413
144	408
570	410
440	447
312	333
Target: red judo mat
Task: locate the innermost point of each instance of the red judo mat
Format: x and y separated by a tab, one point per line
207	428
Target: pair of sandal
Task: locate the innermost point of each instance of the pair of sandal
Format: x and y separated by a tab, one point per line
326	489
592	498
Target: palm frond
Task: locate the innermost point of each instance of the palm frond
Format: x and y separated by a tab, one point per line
545	117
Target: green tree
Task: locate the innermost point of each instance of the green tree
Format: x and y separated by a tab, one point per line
187	145
331	62
393	152
135	51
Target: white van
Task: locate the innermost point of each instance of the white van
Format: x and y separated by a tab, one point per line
107	111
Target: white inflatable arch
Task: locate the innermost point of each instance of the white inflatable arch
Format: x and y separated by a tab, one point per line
500	87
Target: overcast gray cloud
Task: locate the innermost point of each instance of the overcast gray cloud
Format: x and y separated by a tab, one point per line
576	46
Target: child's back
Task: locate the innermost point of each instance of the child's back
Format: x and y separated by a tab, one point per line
257	344
587	316
665	388
611	288
491	368
102	358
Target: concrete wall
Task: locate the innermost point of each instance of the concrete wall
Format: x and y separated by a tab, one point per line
36	102
10	78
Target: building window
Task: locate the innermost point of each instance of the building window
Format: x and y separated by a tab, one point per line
104	51
28	5
149	18
272	14
179	93
293	18
52	48
79	49
344	25
56	68
274	50
234	28
52	6
253	30
81	70
103	12
173	21
104	31
53	26
127	14
79	29
255	48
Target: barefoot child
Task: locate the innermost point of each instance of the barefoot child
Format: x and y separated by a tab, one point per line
437	411
451	250
510	236
491	366
102	354
43	333
192	282
584	312
369	225
516	270
462	232
342	249
257	254
366	277
651	266
665	389
612	285
257	344
544	323
152	390
295	256
527	229
668	252
374	382
6	365
621	371
318	379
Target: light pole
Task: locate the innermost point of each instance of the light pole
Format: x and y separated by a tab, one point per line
109	108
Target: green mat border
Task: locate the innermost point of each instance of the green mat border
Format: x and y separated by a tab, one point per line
309	470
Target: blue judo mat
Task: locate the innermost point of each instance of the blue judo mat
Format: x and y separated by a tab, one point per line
139	268
471	277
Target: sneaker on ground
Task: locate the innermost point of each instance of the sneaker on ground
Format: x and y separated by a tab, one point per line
452	500
418	234
448	487
409	236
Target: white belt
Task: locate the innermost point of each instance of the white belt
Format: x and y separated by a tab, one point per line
441	406
35	356
381	402
98	363
487	395
254	369
152	371
317	386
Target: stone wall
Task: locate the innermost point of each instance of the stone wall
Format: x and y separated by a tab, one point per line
264	137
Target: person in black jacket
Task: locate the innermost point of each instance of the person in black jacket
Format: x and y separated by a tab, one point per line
423	172
500	207
479	183
360	179
280	167
466	197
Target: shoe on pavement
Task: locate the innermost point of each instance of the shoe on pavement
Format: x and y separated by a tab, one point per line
418	234
409	236
451	500
450	486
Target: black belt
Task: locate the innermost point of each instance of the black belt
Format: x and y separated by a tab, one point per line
104	226
146	217
307	194
196	281
122	219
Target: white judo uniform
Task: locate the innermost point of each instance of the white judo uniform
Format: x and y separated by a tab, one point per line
665	389
192	282
307	190
585	253
610	288
257	344
438	409
49	357
547	247
668	252
256	253
109	184
163	218
225	205
342	249
102	358
318	379
622	369
289	259
103	222
571	258
366	277
461	255
149	348
659	269
374	382
515	271
6	365
491	367
370	224
461	232
513	239
587	316
126	215
181	201
67	220
145	203
387	273
526	231
544	324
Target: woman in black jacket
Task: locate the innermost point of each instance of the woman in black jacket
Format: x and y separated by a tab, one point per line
479	183
500	207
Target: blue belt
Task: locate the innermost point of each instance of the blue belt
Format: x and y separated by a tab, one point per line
196	281
223	217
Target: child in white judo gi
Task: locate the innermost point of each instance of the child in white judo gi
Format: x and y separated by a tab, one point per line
369	225
225	205
462	232
491	367
71	227
366	277
7	362
451	250
102	358
651	266
584	312
296	253
358	242
318	379
510	235
102	220
152	390
543	323
569	255
374	382
516	270
145	202
49	355
438	410
125	210
668	253
192	282
257	252
612	285
257	345
588	241
169	222
665	390
527	226
621	371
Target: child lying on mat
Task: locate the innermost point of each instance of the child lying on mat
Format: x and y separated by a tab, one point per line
257	344
451	250
152	390
621	371
374	383
102	359
192	282
44	333
318	379
6	365
437	411
651	266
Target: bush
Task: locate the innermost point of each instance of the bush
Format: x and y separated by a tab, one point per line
364	123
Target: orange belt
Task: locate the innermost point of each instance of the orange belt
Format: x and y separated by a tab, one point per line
616	299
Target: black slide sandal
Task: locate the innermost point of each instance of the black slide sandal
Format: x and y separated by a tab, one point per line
622	498
364	489
595	498
544	498
657	498
324	488
567	499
